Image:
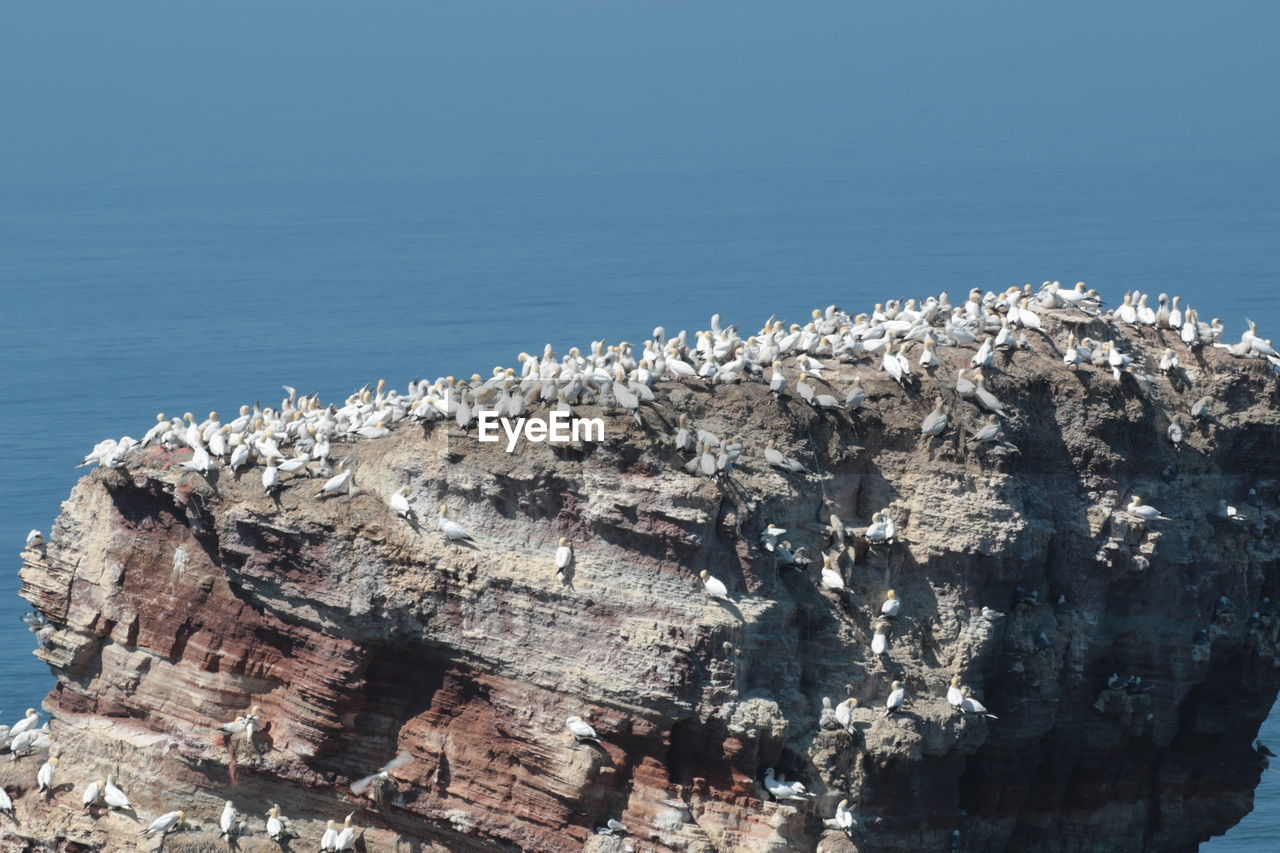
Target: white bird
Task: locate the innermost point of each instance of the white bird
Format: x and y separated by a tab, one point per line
200	461
91	793
936	421
29	740
114	797
227	821
778	459
294	465
844	817
611	827
1139	510
1228	512
270	477
44	776
880	529
275	826
29	721
856	395
564	555
338	483
984	356
986	399
831	578
769	536
955	696
251	722
892	604
897	696
384	772
329	839
844	712
164	823
879	641
400	503
580	729
6	804
453	532
714	587
234	727
784	790
988	432
972	706
346	839
35	539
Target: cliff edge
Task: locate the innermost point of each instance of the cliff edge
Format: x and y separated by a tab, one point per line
178	600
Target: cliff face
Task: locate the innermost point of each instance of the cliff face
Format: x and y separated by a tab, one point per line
180	601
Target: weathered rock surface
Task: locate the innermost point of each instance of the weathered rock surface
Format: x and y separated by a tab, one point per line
180	601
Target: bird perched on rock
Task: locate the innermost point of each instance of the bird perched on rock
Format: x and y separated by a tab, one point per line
897	698
936	421
92	792
989	432
35	540
969	705
29	721
892	604
1226	512
564	556
844	818
881	530
165	823
453	532
346	839
581	730
338	483
769	536
955	696
844	712
227	820
44	776
612	827
831	578
400	502
234	727
1137	509
986	399
856	395
275	826
784	790
714	587
113	796
778	459
880	636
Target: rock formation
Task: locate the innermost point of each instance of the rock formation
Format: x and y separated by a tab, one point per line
181	600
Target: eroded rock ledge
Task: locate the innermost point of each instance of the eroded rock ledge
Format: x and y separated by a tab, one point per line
179	601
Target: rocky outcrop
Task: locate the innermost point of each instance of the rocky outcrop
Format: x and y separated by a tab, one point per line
179	601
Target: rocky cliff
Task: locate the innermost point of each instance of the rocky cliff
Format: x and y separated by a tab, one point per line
181	600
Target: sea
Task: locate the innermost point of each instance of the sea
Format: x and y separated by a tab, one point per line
199	206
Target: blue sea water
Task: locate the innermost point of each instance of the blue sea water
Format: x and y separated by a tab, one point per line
198	206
